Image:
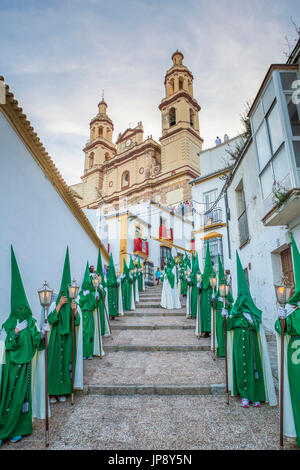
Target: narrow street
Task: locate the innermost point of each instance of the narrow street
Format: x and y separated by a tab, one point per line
156	388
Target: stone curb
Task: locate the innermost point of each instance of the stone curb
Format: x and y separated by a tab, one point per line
153	327
136	389
170	313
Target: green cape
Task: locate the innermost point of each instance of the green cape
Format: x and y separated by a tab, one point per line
64	326
100	268
208	271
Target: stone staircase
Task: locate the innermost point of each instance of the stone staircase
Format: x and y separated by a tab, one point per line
154	351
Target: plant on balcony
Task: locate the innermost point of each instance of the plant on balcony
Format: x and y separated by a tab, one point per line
280	194
245	135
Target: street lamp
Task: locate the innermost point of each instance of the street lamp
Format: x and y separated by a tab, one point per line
73	290
45	294
224	291
213	284
283	294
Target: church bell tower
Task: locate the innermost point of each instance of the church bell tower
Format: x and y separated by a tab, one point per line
180	141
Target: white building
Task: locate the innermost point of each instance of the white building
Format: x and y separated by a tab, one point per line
264	189
210	208
39	215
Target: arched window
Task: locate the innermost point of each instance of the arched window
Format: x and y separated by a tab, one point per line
172	117
107	157
190	88
100	131
171	86
192	116
125	180
91	160
180	83
108	134
92	133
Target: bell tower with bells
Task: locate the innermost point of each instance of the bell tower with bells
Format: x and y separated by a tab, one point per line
180	140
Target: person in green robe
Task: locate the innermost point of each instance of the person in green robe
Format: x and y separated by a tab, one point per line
245	321
292	351
206	294
219	304
112	289
194	286
140	275
87	304
126	286
101	301
60	342
182	277
22	341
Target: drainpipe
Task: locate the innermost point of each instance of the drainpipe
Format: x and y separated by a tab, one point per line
227	226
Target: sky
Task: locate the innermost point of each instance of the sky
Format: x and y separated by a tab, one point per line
58	55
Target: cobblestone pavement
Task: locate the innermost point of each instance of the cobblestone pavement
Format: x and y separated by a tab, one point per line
127	418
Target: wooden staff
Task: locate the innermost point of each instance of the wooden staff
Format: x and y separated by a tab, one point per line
199	323
106	312
99	328
283	327
214	326
73	344
226	364
46	382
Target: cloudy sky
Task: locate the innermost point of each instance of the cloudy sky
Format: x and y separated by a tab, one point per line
58	55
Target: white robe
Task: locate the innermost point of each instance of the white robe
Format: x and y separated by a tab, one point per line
170	296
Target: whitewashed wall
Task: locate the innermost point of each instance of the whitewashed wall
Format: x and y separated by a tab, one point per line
37	222
265	242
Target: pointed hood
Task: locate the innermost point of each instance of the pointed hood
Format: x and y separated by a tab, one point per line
86	285
139	263
195	271
244	301
187	261
100	268
64	325
111	276
296	263
208	271
131	263
19	306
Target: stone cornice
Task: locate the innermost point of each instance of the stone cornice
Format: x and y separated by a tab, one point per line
98	119
178	70
99	141
182	94
125	136
169	134
18	120
133	153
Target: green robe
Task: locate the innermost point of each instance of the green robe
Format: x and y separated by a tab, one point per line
220	323
16	381
87	305
183	286
140	281
205	310
60	351
126	293
248	381
293	364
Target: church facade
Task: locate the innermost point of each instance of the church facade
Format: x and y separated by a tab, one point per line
136	169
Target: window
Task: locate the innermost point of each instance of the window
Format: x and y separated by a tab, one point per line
215	249
268	96
165	254
242	214
192	115
171	86
100	131
209	198
263	146
180	83
172	117
294	115
91	160
125	179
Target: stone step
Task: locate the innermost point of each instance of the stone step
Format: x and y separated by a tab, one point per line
173	320
140	389
151	347
152	327
176	337
155	313
154	368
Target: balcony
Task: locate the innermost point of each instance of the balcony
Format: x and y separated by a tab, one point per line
288	211
213	217
166	234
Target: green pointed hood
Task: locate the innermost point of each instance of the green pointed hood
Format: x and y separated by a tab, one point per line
221	274
131	263
296	262
196	270
100	268
208	271
187	261
64	325
244	301
125	269
19	306
139	263
86	285
111	276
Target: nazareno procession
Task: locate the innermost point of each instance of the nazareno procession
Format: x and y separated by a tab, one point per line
41	363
